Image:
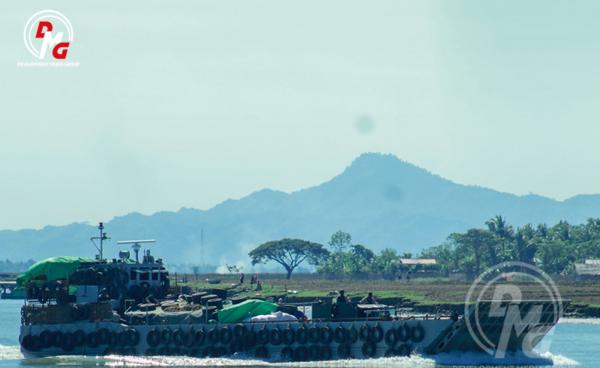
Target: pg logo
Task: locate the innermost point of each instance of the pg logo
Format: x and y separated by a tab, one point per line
48	32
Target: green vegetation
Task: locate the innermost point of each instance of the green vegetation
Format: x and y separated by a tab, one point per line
358	261
345	259
554	249
290	253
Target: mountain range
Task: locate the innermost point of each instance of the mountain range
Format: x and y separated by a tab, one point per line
379	199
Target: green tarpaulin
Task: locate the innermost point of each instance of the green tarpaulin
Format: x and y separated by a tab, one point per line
249	308
51	269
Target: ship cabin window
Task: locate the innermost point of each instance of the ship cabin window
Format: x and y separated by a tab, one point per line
154	275
144	275
133	274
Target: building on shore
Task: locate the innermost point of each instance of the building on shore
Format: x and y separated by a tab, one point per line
418	267
589	270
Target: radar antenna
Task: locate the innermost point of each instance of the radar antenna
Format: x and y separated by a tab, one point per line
102	238
135	246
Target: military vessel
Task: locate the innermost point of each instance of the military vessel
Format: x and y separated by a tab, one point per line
126	306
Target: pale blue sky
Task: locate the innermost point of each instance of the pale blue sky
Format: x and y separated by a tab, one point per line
189	103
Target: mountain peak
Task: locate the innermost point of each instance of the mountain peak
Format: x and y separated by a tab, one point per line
383	161
384	167
380	199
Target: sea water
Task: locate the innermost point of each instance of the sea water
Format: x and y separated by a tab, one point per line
573	342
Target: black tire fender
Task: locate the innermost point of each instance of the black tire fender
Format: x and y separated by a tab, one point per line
103	336
301	354
92	340
57	337
166	336
344	351
178	337
239	331
225	335
26	342
236	346
417	333
391	337
340	335
289	336
314	335
287	353
123	339
276	336
113	338
153	338
78	338
369	349
325	352
67	341
213	335
250	339
188	338
314	352
263	336
133	337
377	333
352	335
404	350
326	335
403	332
365	332
45	339
199	337
301	335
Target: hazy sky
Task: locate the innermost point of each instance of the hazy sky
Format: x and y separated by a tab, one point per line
189	103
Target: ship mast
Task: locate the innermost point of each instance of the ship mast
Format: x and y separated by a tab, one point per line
101	238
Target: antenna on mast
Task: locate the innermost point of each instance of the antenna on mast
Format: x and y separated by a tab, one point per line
135	245
102	238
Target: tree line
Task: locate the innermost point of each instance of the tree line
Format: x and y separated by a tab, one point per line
341	258
555	249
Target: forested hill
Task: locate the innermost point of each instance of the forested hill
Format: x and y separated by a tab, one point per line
379	199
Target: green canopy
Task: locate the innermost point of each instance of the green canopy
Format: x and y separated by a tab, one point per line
249	308
51	269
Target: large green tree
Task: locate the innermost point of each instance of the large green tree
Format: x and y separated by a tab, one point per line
289	253
474	244
340	240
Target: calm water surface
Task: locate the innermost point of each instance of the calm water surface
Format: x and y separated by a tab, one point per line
571	343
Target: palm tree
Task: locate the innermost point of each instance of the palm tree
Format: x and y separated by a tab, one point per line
526	243
503	234
476	241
